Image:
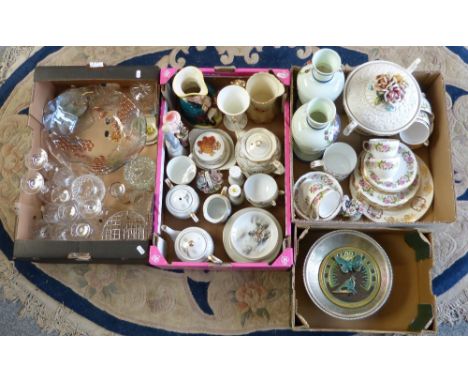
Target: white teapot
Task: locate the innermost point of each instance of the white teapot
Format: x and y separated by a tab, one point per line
192	244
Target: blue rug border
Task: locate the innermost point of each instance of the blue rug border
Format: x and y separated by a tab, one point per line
82	306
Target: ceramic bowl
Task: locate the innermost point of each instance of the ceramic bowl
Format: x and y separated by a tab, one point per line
348	275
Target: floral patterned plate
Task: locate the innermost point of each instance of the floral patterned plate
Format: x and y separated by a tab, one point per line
409	212
252	234
404	177
224	159
382	199
316	177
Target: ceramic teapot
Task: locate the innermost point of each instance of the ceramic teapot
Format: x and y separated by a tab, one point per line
196	98
258	150
315	126
182	201
381	98
192	244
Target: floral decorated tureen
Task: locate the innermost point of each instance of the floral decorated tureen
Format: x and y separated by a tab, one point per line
381	98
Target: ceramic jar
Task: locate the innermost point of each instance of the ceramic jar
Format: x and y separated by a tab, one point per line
192	244
315	126
381	98
322	78
259	150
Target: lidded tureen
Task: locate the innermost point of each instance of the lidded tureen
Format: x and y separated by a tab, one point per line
259	150
381	98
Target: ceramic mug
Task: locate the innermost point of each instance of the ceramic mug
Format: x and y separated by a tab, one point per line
339	160
418	133
217	208
385	169
261	190
382	148
181	170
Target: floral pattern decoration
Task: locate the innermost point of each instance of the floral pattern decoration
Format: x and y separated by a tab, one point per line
390	90
251	300
208	145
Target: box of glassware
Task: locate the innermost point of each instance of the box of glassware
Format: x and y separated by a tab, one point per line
371	145
370	281
222	198
87	193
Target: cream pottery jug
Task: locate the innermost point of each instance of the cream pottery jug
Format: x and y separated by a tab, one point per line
259	150
322	78
192	244
188	82
264	90
315	126
381	98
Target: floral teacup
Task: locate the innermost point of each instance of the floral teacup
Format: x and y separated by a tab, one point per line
382	148
385	169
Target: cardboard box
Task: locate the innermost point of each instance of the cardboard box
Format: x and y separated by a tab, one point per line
410	308
437	156
162	252
48	83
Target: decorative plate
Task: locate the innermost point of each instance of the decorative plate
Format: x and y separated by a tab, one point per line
252	234
201	155
404	177
376	197
316	177
348	275
409	212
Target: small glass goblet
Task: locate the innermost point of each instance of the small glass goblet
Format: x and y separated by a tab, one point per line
38	160
90	208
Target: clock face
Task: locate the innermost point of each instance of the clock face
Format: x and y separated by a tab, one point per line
349	277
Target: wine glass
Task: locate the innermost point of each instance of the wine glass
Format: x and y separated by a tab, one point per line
60	213
33	183
37	159
63	176
90	208
118	190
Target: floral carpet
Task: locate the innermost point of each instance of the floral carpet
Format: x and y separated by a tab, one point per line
130	299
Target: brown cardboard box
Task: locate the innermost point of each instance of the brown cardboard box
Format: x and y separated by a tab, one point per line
48	83
410	308
437	156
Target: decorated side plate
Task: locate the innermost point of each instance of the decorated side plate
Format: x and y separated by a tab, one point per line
411	211
378	198
212	149
316	177
348	275
251	235
404	177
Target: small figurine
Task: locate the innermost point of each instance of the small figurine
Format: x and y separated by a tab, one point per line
352	208
209	181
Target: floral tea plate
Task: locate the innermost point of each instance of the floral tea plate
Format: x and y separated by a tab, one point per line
409	212
404	176
211	149
378	198
251	235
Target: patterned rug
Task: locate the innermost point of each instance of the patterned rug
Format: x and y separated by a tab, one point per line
107	299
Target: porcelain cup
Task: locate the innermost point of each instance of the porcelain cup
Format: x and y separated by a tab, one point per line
319	201
417	135
261	190
217	208
385	169
181	170
339	160
382	148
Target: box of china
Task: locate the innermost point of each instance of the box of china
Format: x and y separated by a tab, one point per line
168	227
49	82
434	202
409	306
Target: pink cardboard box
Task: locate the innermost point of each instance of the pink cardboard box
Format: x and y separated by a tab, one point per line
161	252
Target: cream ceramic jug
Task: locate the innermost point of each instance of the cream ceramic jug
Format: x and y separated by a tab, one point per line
264	90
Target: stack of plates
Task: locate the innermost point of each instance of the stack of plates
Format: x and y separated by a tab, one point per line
403	199
252	235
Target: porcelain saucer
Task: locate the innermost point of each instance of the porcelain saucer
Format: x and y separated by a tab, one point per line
378	198
404	177
252	235
409	212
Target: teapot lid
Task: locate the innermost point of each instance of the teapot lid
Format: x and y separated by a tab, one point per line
382	97
194	244
182	200
260	144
